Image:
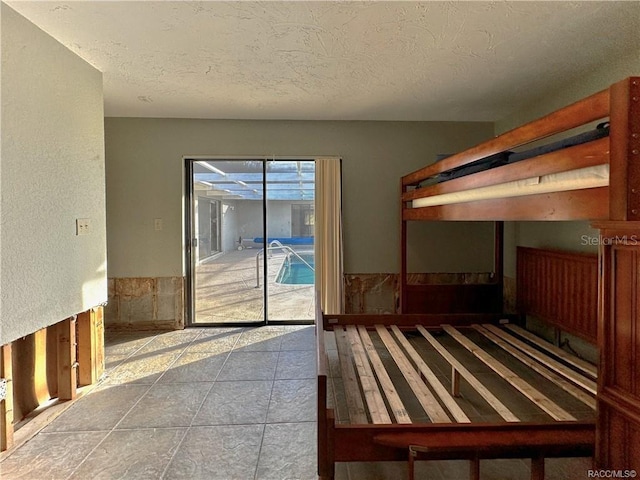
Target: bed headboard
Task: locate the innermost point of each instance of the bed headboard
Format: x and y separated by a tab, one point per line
560	288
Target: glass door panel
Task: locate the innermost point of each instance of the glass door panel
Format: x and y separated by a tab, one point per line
290	192
227	272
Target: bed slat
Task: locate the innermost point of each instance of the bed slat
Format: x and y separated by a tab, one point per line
397	407
537	397
372	395
563	370
355	404
428	401
489	397
586	367
430	377
545	372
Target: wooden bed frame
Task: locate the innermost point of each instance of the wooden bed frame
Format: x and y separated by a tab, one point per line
385	422
613	209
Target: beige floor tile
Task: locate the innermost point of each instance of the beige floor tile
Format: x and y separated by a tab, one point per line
288	452
131	454
102	409
226	452
194	367
249	366
143	369
49	456
167	405
236	403
293	401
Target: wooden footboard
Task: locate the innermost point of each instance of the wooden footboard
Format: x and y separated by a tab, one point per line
454	391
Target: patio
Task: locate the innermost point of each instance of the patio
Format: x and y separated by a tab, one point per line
227	290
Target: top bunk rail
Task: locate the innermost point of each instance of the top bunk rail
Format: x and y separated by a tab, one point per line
588	176
582	112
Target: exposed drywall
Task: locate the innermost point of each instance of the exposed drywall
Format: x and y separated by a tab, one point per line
573	236
145	181
52	165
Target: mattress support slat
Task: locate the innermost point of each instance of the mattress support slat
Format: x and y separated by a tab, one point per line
397	407
426	398
586	367
372	395
355	404
431	379
483	391
455	382
580	380
545	372
537	397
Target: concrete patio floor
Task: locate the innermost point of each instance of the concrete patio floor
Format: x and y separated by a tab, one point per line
227	291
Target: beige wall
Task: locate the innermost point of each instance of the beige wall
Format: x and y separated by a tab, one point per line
52	167
145	181
573	236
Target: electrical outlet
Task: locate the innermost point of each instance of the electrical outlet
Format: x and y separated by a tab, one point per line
158	224
83	226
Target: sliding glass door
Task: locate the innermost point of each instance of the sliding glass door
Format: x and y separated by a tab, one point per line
290	227
250	241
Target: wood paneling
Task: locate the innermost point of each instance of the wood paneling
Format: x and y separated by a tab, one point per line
560	288
618	427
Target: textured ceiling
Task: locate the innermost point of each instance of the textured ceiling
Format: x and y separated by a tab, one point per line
336	60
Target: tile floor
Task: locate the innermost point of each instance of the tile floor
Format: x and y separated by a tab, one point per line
231	403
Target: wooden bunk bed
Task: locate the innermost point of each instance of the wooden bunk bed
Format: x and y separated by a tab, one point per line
611	201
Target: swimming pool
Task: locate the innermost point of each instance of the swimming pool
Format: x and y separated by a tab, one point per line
295	271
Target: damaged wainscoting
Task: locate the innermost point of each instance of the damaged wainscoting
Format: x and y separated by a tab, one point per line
371	292
380	292
145	304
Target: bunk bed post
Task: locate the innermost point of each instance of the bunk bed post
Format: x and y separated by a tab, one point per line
624	176
498	261
403	254
618	425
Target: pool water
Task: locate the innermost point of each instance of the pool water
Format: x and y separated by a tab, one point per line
295	272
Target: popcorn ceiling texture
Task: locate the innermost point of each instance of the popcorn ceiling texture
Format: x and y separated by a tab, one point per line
52	173
476	61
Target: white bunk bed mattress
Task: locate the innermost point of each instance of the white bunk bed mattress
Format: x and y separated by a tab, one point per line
582	178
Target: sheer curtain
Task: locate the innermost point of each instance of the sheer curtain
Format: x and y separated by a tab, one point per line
328	241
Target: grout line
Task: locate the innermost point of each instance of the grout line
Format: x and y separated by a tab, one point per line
134	405
204	399
266	419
